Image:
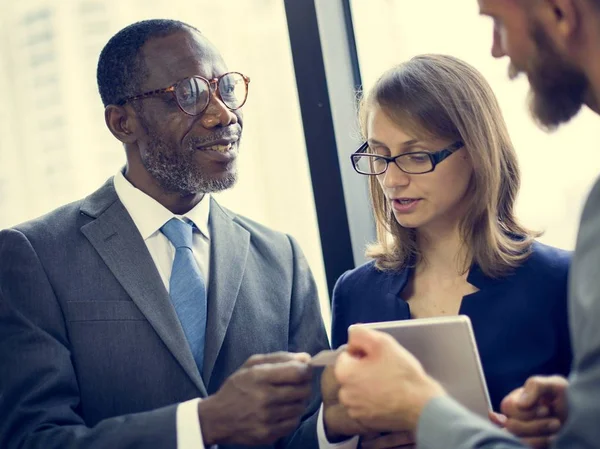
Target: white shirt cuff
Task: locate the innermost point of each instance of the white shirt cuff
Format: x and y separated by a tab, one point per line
324	443
189	433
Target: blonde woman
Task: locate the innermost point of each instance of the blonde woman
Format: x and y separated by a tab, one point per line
443	180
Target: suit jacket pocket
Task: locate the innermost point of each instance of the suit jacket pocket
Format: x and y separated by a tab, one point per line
103	311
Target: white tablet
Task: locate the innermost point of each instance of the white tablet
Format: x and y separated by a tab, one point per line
447	350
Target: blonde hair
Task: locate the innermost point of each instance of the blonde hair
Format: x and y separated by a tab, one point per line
443	97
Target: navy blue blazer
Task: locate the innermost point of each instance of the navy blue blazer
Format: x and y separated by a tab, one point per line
519	320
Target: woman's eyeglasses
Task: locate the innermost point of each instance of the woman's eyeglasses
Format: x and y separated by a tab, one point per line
414	163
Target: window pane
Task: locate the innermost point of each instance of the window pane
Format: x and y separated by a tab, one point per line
552	193
55	147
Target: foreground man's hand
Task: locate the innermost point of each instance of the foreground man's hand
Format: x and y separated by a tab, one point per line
338	425
260	403
392	440
536	412
383	386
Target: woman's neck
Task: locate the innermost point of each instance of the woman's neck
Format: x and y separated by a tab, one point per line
442	251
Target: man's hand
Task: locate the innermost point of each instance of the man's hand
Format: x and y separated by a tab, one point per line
536	411
260	403
383	386
395	440
338	425
497	418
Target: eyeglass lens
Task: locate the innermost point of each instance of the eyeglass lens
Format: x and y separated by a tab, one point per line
410	163
193	94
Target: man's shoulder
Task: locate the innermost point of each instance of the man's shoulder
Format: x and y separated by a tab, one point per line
52	222
257	230
64	219
48	236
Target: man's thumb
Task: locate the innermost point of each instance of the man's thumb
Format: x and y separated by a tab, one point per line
363	342
534	390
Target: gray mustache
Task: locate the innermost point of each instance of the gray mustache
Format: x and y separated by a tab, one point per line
229	133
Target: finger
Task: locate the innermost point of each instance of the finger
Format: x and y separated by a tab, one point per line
328	376
396	439
511	407
537	428
370	446
286	394
509	402
270	433
369	437
338	422
302	357
369	343
329	386
538	387
286	373
512	411
274	357
538	442
344	367
497	418
364	342
285	427
286	412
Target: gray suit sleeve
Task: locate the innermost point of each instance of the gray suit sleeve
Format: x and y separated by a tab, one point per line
582	429
445	424
39	394
307	334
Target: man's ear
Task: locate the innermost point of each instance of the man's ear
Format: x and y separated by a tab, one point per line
562	21
121	122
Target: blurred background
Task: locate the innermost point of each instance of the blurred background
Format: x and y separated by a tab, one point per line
55	148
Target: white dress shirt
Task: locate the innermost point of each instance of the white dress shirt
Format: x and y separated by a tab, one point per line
149	216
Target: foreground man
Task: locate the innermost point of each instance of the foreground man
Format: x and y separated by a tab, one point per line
119	311
556	43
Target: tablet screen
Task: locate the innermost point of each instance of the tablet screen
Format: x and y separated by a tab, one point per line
446	348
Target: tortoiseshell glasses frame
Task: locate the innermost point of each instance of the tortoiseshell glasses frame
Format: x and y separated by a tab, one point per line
192	100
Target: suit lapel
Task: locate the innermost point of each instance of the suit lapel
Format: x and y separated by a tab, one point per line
229	244
120	245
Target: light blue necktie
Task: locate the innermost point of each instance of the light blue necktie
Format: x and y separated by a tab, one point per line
187	287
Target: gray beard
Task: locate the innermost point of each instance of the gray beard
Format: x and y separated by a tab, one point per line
177	173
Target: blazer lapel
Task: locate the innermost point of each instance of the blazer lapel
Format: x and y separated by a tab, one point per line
229	243
120	245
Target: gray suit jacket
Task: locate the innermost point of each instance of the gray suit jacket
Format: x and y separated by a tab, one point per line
444	424
92	354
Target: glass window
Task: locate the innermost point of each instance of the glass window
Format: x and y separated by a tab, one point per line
274	186
552	195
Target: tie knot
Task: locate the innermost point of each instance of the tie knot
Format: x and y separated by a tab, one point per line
178	232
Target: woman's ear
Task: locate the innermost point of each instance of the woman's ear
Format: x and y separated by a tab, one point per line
121	122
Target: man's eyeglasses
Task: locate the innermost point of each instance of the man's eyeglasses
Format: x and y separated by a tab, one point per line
193	94
415	163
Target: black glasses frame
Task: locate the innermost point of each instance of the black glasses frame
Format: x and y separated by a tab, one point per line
172	89
435	157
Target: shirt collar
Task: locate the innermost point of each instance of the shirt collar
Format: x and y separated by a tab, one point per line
149	215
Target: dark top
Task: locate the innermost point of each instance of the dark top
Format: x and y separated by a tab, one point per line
519	320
